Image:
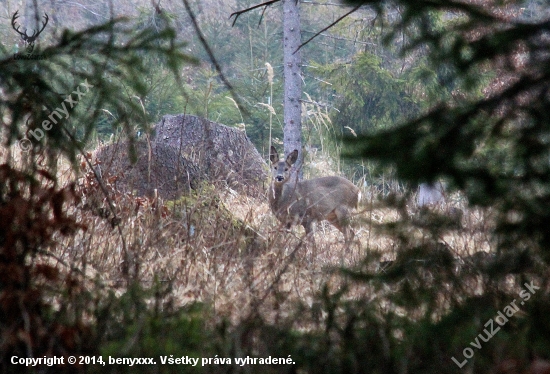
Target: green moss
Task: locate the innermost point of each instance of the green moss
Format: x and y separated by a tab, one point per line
205	214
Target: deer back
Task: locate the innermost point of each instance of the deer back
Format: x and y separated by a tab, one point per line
321	196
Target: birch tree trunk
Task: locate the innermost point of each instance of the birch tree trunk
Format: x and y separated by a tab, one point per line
292	81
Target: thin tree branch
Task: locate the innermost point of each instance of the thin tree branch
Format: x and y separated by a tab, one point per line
328	27
211	55
116	219
237	14
261	17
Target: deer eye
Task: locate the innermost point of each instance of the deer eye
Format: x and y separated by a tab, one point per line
275	167
286	169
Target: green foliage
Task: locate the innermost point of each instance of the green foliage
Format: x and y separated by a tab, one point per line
494	148
128	326
491	145
61	97
109	58
369	95
414	315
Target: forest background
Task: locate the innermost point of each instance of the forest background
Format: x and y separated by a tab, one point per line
420	91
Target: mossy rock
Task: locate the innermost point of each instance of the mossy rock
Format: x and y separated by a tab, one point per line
204	214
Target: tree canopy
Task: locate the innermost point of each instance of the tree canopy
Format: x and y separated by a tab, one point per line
492	146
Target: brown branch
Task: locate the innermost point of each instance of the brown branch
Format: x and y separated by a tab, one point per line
264	4
328	27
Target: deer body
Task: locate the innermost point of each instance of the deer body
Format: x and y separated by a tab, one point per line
305	202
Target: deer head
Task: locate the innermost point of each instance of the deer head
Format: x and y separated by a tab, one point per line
281	168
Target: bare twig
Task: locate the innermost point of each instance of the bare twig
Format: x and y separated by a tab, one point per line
290	258
323	4
261	17
211	55
107	197
328	27
238	13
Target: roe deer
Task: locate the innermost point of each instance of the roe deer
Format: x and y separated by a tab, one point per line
318	199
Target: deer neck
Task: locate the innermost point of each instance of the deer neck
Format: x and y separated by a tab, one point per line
281	196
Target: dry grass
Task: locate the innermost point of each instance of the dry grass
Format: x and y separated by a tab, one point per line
228	250
195	249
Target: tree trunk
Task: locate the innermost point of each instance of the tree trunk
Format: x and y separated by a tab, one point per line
292	81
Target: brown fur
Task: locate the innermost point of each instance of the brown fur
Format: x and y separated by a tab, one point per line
326	198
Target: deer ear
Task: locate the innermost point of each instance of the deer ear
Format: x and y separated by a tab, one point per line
273	155
292	157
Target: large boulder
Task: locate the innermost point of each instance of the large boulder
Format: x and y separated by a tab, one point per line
183	151
158	167
224	155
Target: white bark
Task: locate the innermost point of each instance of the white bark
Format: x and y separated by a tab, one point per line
292	80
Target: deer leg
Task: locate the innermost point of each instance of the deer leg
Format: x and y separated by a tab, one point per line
308	226
342	223
342	228
288	226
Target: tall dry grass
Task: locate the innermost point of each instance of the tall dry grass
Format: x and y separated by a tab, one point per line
227	250
140	263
